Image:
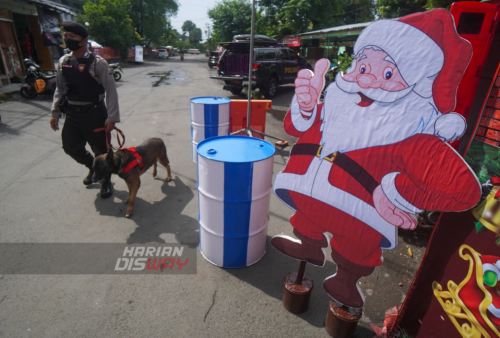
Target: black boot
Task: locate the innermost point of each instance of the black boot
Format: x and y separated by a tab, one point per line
306	249
88	180
107	188
343	286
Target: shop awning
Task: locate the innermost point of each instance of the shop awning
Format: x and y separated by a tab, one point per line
53	5
340	33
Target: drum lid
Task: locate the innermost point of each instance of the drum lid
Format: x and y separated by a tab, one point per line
235	149
210	100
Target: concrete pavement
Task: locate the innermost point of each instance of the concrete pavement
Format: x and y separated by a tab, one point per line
10	88
43	200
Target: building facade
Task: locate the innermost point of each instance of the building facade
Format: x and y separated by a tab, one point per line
21	34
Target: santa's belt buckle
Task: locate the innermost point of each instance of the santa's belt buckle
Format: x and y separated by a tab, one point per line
330	158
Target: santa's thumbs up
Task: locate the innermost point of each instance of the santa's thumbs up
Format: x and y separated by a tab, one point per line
308	85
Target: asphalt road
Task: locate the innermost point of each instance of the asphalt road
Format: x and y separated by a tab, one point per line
43	200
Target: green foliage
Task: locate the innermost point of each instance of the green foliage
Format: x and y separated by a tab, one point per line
231	17
439	4
188	26
397	8
484	160
195	36
170	37
150	18
344	61
109	23
212	41
123	23
278	18
355	11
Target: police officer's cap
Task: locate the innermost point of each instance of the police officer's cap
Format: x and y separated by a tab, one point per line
76	28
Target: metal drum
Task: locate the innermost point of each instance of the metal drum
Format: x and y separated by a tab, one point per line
234	191
209	117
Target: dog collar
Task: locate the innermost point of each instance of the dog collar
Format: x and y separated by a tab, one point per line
136	162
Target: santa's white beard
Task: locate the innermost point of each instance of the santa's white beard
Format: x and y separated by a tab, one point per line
347	126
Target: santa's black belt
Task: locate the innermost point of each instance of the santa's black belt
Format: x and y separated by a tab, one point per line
342	161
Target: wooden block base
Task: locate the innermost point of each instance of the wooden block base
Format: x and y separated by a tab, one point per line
296	296
340	322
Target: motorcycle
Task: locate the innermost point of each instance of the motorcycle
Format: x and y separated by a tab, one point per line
182	57
36	82
115	69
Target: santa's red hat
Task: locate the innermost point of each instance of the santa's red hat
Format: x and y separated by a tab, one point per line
430	55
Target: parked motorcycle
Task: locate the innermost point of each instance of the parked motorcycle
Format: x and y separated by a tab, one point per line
37	82
115	69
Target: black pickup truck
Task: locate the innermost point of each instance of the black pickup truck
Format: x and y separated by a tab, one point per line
272	66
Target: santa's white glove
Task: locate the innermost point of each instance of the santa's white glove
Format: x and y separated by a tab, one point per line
449	127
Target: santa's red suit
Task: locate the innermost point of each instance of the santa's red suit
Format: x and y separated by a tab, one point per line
334	194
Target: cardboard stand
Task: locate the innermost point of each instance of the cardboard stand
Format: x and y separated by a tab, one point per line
297	290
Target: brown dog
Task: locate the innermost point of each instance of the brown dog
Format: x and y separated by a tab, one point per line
131	163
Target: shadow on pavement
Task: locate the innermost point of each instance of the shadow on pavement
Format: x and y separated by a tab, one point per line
418	237
18	120
157	218
268	274
7	130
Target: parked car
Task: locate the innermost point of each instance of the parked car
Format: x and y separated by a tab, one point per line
214	59
162	53
194	51
272	66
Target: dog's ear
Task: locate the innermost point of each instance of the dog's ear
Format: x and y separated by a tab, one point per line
110	157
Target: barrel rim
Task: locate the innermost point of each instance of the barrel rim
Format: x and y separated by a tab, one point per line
225	99
224	124
211	139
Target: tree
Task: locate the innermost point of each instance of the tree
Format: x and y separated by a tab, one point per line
212	41
188	26
231	17
356	11
150	17
277	18
170	37
397	8
195	36
109	23
440	4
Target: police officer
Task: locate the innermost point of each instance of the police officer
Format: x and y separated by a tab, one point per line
83	79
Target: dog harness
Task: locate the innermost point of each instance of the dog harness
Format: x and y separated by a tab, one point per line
135	162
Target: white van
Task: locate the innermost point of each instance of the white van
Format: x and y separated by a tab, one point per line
162	53
193	51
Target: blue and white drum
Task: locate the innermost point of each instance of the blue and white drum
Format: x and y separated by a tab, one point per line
209	117
234	192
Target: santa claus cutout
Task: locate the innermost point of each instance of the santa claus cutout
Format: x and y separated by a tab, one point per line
375	153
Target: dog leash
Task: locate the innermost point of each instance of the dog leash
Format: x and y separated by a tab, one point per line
108	138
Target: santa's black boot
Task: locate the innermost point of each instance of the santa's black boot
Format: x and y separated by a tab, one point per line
343	286
305	249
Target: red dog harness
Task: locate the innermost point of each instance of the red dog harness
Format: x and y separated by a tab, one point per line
137	161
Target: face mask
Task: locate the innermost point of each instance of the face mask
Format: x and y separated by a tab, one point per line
72	44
